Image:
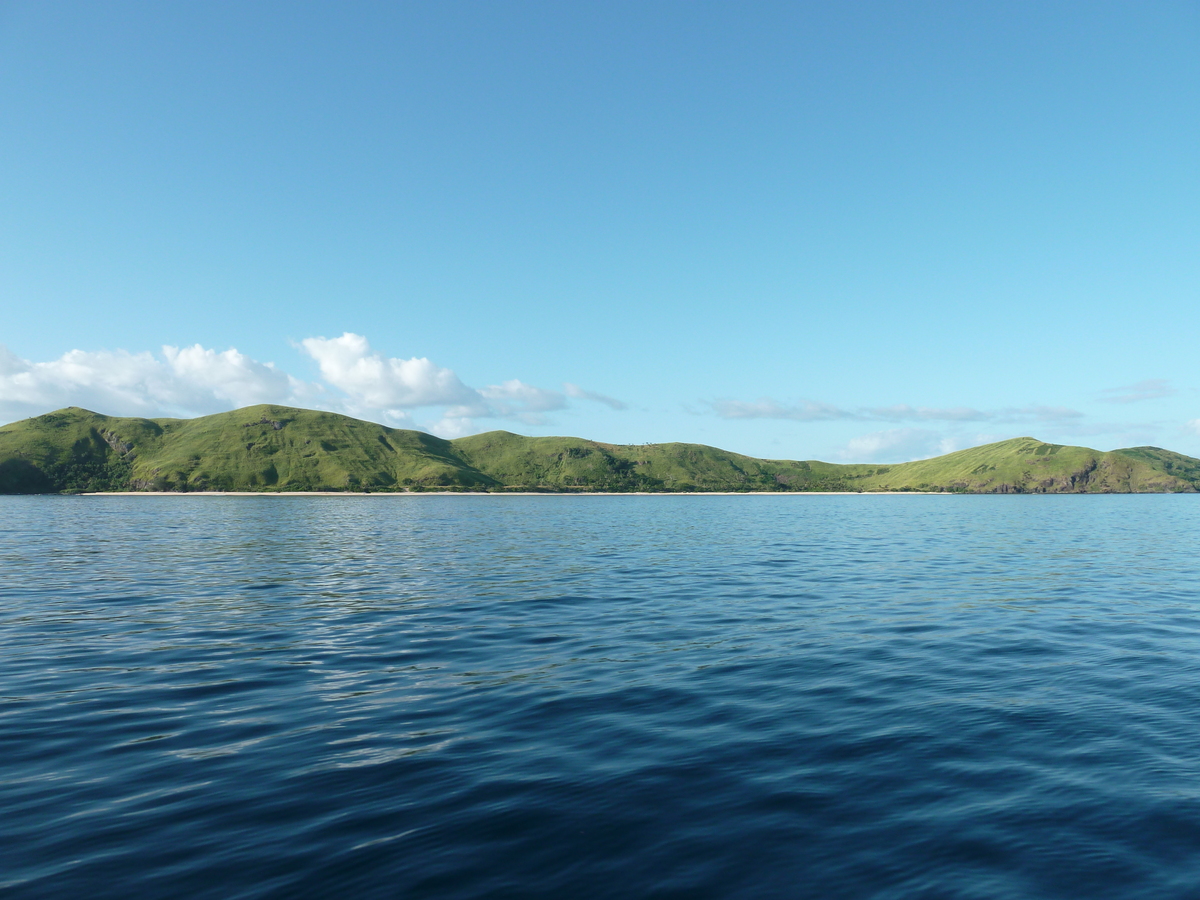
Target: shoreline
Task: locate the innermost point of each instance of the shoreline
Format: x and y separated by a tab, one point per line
606	494
511	494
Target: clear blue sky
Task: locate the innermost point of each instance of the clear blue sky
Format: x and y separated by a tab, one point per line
806	230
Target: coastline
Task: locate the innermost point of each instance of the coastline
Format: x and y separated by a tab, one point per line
513	494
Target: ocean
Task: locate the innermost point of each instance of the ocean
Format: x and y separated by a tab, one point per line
641	696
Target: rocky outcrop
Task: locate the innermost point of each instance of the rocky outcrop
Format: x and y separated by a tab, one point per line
277	426
123	448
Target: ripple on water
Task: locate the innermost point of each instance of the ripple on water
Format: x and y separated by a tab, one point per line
669	696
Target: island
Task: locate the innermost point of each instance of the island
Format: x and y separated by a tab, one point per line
269	448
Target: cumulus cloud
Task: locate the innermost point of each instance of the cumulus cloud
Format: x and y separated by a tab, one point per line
375	382
1150	389
812	411
196	380
574	390
229	375
897	445
385	387
190	380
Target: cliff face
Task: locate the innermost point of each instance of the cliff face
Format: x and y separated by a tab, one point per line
273	448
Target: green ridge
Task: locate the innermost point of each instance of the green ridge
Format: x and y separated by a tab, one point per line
277	448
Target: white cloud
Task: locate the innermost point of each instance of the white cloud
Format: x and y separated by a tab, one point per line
574	390
385	387
229	375
197	380
897	445
190	381
378	383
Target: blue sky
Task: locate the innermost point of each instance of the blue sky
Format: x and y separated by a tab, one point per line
864	231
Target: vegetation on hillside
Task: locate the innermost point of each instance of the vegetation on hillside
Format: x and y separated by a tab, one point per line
1025	465
275	448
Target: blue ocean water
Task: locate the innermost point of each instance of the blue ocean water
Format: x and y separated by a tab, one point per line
664	696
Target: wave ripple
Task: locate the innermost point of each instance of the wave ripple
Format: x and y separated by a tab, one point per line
958	697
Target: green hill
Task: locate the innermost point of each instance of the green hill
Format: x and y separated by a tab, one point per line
575	464
1025	465
257	448
277	448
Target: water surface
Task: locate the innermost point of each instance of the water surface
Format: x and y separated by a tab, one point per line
664	696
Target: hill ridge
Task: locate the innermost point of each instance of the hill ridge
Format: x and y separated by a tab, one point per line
269	447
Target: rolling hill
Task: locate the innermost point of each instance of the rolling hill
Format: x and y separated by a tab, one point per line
276	448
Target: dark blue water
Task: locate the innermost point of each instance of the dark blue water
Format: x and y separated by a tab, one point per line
777	696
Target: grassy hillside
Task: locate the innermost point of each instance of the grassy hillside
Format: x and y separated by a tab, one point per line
1026	465
257	448
1183	467
276	448
71	449
574	464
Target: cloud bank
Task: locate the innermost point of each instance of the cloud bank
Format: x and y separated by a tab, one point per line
812	411
189	381
353	378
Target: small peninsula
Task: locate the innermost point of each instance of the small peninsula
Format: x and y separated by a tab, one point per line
271	448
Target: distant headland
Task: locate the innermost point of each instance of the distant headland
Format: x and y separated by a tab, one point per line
270	448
